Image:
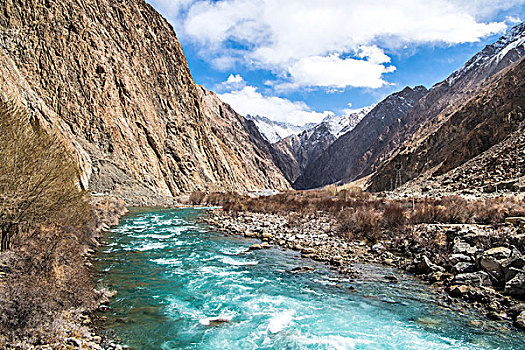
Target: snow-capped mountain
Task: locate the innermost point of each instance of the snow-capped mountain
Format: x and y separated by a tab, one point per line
302	148
339	125
406	128
275	131
331	163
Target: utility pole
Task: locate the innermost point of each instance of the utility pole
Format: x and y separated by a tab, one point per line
398	168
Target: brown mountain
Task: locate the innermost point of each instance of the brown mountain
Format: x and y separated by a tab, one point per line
111	76
341	160
297	151
493	115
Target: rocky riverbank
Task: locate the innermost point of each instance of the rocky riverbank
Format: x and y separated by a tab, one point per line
476	265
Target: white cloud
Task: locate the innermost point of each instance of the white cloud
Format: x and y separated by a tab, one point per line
234	79
294	35
333	71
234	82
249	101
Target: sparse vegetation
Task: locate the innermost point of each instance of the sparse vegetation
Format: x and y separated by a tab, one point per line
46	222
38	178
362	216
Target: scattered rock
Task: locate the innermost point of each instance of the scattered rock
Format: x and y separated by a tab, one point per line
308	251
520	320
424	265
378	248
497	316
103	308
267	236
455	258
458	291
463	267
74	342
427	321
251	234
392	278
492	260
97	339
215	321
464	248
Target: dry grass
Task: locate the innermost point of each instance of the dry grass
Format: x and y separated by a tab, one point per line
360	215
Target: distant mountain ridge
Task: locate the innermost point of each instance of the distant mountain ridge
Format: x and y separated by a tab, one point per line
275	131
301	149
443	101
340	159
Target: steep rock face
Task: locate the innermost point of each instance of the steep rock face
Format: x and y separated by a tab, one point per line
341	159
486	119
302	149
112	77
500	168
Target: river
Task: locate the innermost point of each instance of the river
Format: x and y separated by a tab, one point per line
173	276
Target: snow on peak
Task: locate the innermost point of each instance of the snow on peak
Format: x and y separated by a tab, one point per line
275	131
514	39
339	125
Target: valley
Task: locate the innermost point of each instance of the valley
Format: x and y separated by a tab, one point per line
139	210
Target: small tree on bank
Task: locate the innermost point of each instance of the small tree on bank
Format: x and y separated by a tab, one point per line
38	178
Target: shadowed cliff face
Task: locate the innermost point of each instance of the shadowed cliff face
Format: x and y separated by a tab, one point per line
112	78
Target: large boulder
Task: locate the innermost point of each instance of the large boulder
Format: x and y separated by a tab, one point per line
458	291
455	258
423	265
476	279
492	260
520	320
516	286
512	265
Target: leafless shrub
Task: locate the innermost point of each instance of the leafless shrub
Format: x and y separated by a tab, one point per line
360	223
394	216
45	223
38	177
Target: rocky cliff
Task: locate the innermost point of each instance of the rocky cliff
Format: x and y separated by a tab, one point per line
112	78
445	98
364	151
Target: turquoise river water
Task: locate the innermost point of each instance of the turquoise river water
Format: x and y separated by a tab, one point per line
173	275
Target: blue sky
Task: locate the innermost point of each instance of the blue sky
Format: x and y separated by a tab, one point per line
301	60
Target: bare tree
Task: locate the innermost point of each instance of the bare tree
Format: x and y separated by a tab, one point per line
38	177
